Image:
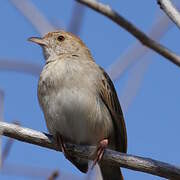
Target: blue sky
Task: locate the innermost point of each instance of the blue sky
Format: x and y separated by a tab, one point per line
152	120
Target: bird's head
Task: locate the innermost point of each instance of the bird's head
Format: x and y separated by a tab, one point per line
58	43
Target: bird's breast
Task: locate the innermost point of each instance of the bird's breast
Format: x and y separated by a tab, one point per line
73	108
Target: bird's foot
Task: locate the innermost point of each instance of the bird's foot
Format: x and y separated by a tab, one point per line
99	151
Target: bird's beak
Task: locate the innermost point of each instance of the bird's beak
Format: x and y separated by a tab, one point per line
38	40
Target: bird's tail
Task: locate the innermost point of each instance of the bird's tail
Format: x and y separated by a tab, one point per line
110	172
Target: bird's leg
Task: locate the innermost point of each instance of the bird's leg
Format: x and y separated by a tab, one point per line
100	151
60	144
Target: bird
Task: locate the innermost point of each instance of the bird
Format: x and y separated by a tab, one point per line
79	101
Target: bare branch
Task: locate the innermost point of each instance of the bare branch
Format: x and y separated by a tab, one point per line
7	149
20	66
137	51
170	10
34	16
112	157
76	18
142	37
133	83
134	54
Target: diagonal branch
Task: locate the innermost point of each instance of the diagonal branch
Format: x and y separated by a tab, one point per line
37	19
137	51
132	29
8	146
170	10
133	83
112	157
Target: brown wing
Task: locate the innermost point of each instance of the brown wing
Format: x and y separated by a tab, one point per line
110	99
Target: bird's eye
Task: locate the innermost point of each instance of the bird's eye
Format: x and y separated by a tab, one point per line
60	38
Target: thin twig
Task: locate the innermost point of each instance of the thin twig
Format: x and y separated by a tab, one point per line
137	51
137	71
136	54
133	83
142	37
170	10
77	17
34	16
54	175
8	146
112	157
20	66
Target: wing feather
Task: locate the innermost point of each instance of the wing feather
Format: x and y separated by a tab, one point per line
110	99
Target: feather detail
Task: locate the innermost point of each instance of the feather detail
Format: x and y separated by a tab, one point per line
110	99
